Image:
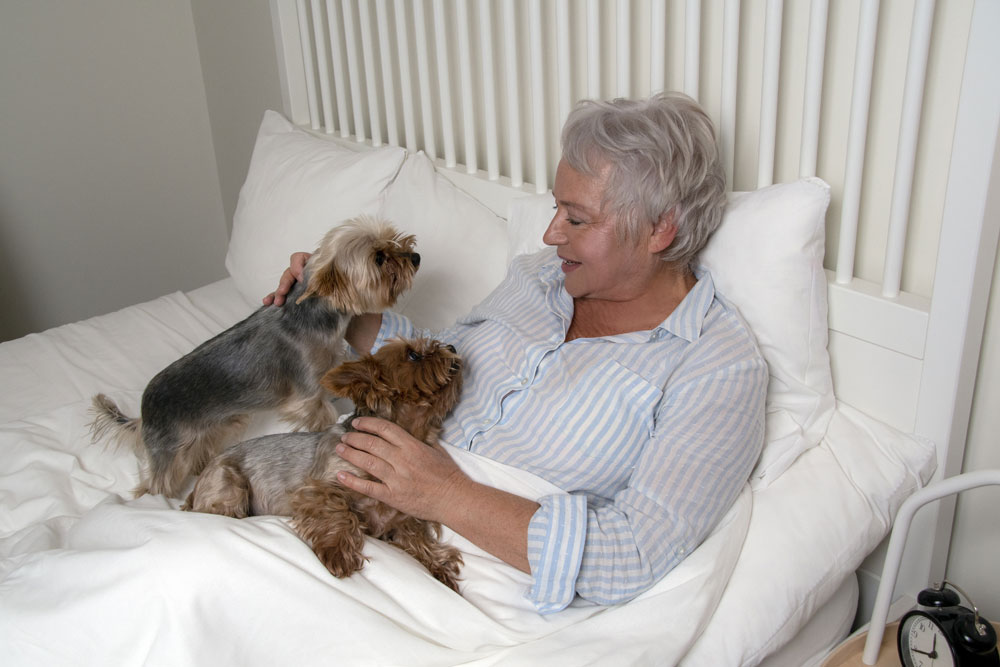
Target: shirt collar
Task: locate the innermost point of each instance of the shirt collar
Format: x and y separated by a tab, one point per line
687	319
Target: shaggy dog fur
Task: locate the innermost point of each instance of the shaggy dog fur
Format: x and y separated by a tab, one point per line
413	383
273	359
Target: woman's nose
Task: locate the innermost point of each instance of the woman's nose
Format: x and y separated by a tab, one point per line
553	233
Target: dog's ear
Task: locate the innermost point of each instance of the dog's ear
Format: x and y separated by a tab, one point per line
361	381
350	379
325	280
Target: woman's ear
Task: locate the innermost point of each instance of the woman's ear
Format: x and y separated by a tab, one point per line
664	232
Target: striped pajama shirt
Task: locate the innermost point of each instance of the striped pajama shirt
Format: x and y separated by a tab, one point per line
651	434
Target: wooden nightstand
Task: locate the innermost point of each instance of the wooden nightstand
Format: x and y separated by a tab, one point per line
848	654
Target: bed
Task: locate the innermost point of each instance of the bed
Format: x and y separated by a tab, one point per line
869	381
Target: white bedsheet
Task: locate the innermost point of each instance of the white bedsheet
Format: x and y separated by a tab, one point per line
142	583
88	576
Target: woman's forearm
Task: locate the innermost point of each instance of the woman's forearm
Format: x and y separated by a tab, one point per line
362	331
493	520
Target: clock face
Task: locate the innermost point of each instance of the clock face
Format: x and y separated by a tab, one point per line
922	643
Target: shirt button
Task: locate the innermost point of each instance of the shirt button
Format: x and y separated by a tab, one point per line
524	381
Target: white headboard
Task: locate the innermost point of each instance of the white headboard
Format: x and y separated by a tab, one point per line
895	104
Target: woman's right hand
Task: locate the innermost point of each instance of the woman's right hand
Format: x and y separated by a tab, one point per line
296	266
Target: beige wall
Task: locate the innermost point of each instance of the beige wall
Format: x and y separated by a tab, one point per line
109	192
238	63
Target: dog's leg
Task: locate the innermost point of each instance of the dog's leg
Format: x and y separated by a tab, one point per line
168	466
322	516
420	539
221	489
184	451
310	413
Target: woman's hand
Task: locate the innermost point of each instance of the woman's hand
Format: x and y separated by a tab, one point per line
424	482
293	274
410	476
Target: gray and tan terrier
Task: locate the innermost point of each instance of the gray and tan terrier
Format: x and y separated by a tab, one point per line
274	359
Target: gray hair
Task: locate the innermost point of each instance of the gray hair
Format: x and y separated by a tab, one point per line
664	157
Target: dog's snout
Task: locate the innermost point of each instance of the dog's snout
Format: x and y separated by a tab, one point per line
415	258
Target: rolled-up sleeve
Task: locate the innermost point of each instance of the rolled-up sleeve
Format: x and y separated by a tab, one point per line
708	436
556	537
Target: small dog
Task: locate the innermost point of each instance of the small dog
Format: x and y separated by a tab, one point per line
411	382
275	358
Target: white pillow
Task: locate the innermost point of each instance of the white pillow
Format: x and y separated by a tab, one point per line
766	259
298	186
462	244
809	531
527	219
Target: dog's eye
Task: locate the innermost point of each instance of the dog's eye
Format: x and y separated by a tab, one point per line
413	355
379	258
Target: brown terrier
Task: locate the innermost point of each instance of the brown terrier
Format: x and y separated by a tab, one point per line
273	359
413	383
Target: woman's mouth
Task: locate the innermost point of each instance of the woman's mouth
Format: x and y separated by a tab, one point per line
569	265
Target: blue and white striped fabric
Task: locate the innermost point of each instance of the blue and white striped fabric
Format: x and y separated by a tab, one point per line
652	434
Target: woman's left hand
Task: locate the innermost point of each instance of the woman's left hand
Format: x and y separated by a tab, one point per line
410	476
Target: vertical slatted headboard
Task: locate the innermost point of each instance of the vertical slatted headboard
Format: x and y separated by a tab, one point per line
894	103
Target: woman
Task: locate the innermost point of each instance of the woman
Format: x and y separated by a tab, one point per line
606	364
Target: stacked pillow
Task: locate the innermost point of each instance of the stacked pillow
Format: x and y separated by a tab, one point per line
300	185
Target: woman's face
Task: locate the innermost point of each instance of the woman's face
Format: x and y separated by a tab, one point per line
597	265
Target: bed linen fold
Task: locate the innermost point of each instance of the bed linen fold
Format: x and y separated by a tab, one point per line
139	582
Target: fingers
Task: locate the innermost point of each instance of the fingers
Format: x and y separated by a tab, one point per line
369	487
369	454
285	285
382	428
297	263
277	297
357	450
409	475
291	275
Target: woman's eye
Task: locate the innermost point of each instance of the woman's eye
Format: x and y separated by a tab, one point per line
569	220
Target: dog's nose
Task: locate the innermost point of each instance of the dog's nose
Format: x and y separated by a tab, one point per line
415	258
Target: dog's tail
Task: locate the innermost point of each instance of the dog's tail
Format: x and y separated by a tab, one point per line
112	424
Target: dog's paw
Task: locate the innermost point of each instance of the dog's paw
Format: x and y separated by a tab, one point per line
341	564
447	568
321	515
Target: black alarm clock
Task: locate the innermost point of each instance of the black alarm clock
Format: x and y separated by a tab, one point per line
940	632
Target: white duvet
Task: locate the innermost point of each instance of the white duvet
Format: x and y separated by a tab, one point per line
90	576
142	583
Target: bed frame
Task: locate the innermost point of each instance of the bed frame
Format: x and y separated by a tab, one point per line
866	95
